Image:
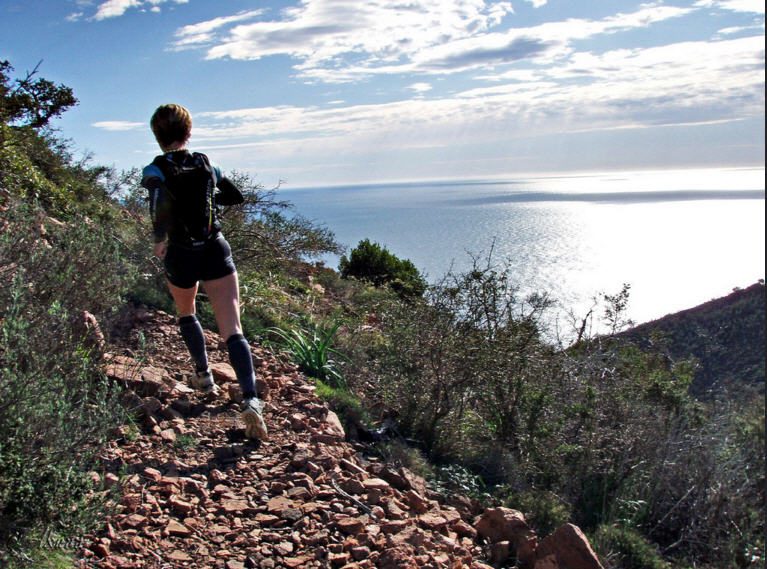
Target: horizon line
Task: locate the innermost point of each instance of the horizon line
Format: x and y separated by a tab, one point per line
759	170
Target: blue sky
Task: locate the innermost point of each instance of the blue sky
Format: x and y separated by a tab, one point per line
318	92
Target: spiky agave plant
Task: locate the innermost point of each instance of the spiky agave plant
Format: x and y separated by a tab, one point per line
310	348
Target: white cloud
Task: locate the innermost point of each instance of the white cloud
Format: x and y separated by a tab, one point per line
377	34
755	6
118	125
202	33
116	8
537	3
420	87
737	30
687	83
338	41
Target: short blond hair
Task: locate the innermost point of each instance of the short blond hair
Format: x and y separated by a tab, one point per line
171	123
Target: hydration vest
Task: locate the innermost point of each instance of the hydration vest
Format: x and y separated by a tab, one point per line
191	184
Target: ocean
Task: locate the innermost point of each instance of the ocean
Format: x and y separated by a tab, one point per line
678	238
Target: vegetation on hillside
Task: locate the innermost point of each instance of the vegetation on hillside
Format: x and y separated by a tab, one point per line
375	264
726	336
604	433
62	270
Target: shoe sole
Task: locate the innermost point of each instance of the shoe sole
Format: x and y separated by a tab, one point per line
255	427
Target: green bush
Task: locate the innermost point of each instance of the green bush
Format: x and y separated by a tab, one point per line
398	453
628	549
465	365
56	407
373	263
543	509
344	402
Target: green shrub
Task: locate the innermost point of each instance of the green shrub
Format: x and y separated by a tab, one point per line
543	509
57	410
374	263
344	402
42	556
185	441
457	479
628	548
56	407
467	359
398	453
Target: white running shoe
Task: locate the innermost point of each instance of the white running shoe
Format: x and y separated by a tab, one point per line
203	380
255	427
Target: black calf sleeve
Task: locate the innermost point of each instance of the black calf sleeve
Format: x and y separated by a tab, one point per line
191	332
242	362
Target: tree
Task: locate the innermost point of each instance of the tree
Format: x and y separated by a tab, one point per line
31	102
376	264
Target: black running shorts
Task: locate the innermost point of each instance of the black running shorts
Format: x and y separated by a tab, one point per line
185	265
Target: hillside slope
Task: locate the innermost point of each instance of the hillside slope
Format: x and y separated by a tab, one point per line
726	335
196	493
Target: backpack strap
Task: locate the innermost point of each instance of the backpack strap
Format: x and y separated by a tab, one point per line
208	167
168	169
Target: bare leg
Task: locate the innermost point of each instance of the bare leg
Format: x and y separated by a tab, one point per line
224	296
184	299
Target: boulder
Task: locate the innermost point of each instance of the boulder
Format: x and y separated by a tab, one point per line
503	524
334	425
223	373
569	548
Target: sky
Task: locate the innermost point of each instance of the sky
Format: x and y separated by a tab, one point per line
322	92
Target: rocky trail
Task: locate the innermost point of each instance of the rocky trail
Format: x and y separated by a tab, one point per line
196	493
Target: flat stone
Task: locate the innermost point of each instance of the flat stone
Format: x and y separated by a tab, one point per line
135	520
416	502
570	548
153	474
351	467
235	506
464	529
296	562
178	529
432	521
292	514
178	555
335	428
284	548
298	493
338	559
502	524
168	435
131	501
279	504
351	526
376	484
393	526
180	505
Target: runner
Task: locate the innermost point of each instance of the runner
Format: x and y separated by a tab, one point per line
184	191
